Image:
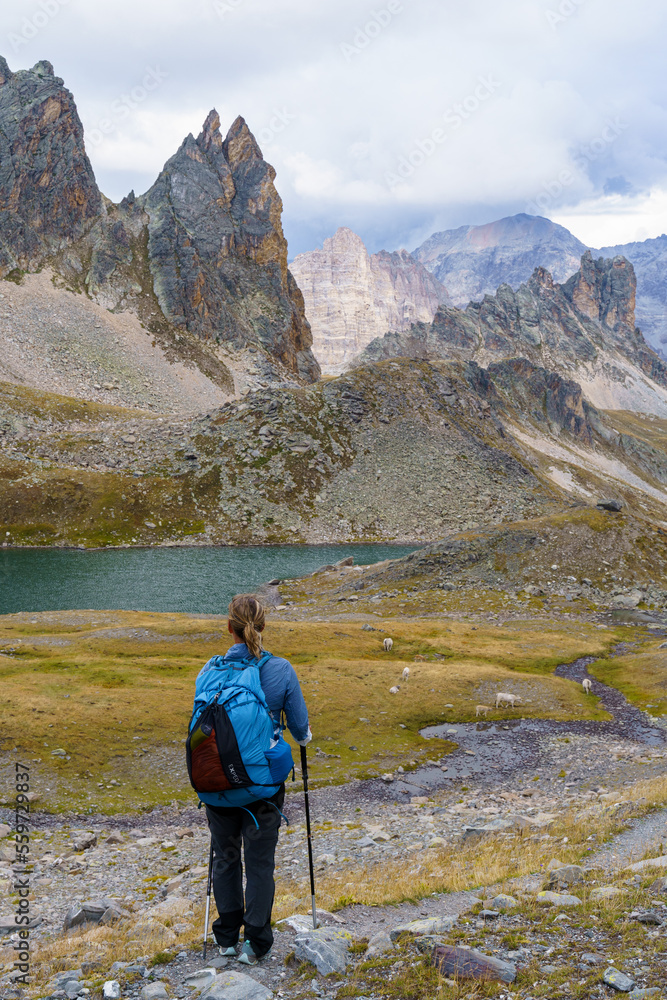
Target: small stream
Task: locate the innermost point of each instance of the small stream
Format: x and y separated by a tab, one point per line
520	748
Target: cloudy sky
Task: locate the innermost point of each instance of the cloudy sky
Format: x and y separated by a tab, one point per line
396	118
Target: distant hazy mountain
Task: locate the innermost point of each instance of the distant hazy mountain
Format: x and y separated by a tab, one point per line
352	296
473	261
650	263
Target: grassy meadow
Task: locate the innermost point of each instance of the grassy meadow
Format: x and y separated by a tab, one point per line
639	675
99	702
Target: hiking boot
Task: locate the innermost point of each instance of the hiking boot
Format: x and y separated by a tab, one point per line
228	952
248	956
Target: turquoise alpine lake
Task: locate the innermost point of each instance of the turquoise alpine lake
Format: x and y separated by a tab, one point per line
197	580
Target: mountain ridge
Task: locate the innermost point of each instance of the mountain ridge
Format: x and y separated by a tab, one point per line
583	328
400	450
202	254
474	260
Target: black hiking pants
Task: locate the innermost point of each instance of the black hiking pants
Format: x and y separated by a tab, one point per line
231	830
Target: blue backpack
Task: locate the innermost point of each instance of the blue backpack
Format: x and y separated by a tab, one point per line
235	750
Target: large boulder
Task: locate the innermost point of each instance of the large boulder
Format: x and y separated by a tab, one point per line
468	963
235	986
427	926
93	911
567	875
326	948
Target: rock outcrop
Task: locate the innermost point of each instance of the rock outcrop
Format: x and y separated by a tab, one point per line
473	261
585	326
201	253
352	296
216	248
649	259
48	193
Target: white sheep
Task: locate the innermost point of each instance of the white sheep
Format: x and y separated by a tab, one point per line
406	673
387	644
482	710
395	689
587	685
502	698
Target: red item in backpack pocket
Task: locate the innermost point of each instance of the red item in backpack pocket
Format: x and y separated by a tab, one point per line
204	764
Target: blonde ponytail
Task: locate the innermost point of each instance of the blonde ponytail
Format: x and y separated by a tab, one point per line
247	618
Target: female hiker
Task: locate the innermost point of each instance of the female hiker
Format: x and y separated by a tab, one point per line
247	680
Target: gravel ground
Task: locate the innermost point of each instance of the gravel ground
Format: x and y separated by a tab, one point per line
55	341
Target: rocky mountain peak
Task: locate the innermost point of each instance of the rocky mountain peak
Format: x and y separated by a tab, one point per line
210	133
541	278
217	250
352	296
203	251
48	193
605	291
344	239
241	146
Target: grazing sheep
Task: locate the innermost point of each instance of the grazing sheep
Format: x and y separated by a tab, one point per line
419	658
406	673
387	644
482	710
587	685
395	689
502	698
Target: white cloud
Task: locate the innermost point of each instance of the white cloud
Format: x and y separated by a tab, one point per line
349	117
616	219
325	182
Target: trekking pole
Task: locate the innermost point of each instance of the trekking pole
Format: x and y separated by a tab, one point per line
304	771
208	896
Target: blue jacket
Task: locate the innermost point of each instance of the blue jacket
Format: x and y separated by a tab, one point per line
282	691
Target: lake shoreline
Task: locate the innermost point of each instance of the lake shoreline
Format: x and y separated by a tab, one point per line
192	578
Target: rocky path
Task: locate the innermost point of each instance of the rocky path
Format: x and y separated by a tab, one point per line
646	835
529	748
